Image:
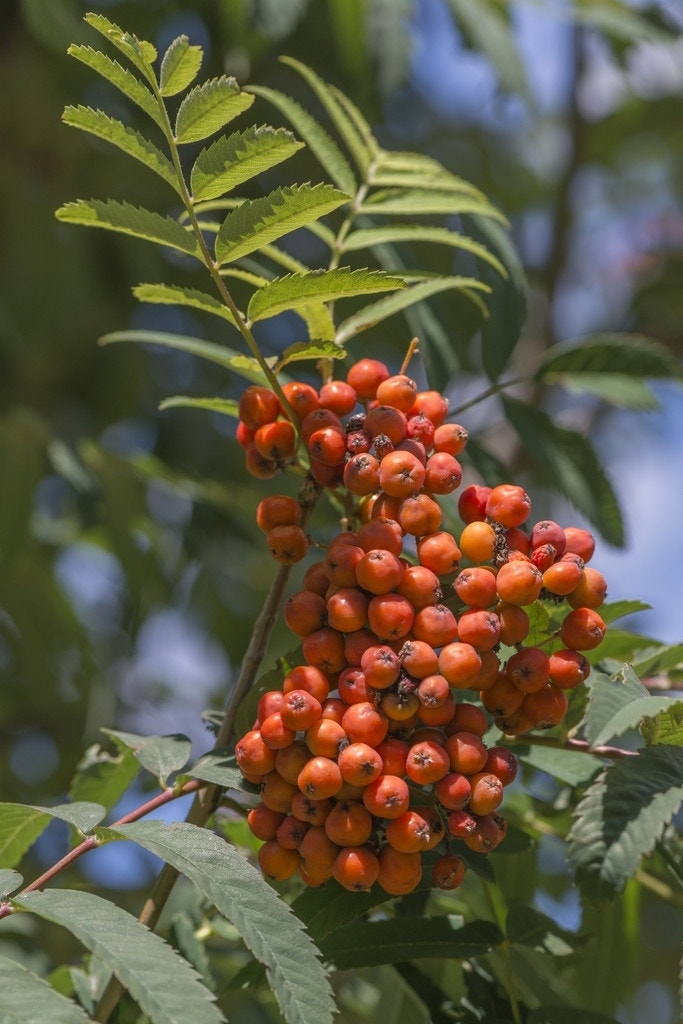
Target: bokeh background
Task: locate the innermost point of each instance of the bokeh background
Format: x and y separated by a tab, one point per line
130	567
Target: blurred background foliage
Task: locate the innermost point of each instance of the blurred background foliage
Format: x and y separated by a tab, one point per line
130	570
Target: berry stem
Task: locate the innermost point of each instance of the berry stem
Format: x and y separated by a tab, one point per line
412	349
495	389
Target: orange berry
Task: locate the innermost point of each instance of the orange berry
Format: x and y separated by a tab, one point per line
277	510
288	544
519	582
508	504
320	778
387	797
448	872
399	873
582	629
359	764
478	541
365	376
356	868
276	862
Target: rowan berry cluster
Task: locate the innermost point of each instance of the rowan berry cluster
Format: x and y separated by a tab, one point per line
368	755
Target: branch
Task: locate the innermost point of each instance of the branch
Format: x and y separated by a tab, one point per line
583	746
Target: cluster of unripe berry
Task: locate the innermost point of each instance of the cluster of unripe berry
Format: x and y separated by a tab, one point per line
368	756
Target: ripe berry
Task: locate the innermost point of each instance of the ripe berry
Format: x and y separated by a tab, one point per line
365	376
448	872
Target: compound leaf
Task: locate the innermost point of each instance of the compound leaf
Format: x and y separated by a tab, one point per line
179	66
622	816
239	892
164	985
258	221
28	999
130	220
569	462
296	290
378	311
209	107
609	694
236	158
123	79
160	755
176	295
21	824
571	766
97	123
323	147
409	938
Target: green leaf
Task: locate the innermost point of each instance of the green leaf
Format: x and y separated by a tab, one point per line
489	32
632	355
224	406
409	938
20	826
120	77
420	166
631	716
239	892
618	22
666	727
138	51
364	238
527	926
179	66
103	776
124	138
258	221
567	1015
297	290
160	755
571	766
616	389
231	160
378	311
302	350
245	366
10	881
345	125
320	326
326	910
163	985
175	295
28	999
438	179
218	766
614	610
609	694
416	202
507	302
659	658
321	145
208	108
569	462
622	816
130	220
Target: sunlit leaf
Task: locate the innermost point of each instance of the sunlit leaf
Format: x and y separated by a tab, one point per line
124	138
231	160
265	922
120	77
208	108
310	350
164	986
296	290
621	817
245	366
323	147
28	999
139	52
666	727
224	406
130	220
175	295
259	221
179	66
